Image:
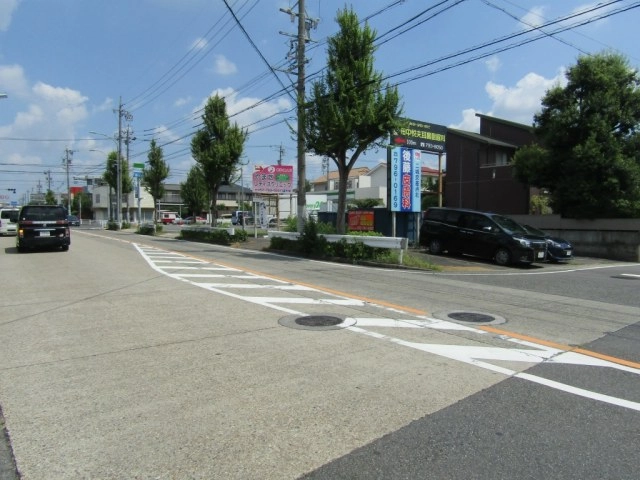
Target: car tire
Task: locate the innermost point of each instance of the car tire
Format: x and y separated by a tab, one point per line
65	248
435	246
503	256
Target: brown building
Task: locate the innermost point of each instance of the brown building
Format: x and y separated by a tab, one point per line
480	172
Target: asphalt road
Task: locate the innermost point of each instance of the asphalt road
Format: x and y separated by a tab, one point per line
139	357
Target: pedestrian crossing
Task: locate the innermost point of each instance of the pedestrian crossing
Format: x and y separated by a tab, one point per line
374	321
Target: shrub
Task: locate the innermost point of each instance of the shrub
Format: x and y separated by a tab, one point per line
147	229
219	236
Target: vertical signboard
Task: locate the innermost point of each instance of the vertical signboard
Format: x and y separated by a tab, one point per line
405	180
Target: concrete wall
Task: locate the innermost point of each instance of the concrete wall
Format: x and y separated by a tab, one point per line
613	238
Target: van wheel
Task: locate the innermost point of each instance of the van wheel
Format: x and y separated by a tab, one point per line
435	246
503	256
65	248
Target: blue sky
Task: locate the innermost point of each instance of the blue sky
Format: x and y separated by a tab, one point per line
64	65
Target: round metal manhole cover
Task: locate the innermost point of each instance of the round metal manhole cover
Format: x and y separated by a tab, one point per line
316	322
471	317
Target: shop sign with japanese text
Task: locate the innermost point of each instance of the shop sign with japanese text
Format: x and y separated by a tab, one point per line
424	136
273	179
360	220
405	175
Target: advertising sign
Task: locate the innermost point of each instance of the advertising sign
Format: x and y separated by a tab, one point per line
405	179
424	136
360	220
273	179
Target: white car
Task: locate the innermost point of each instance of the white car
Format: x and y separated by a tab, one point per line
9	221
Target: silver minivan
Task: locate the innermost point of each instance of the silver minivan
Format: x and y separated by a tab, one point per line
9	221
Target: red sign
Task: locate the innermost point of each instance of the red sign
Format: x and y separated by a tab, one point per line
360	220
273	179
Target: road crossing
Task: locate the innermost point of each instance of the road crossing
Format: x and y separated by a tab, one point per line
481	348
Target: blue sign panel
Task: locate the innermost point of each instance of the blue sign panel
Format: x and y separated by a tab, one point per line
405	177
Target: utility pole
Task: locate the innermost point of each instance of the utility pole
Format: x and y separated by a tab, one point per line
304	25
121	114
67	162
128	138
47	174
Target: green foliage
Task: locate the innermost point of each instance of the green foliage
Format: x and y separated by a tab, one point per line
217	148
539	205
589	132
310	242
366	202
194	192
284	244
291	224
155	173
350	109
218	236
50	198
113	225
147	229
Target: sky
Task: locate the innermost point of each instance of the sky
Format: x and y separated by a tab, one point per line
68	66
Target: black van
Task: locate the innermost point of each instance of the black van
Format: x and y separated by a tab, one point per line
481	234
42	226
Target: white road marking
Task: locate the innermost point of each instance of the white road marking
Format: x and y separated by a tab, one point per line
478	356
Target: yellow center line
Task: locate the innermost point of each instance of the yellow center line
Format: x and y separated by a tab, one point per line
560	346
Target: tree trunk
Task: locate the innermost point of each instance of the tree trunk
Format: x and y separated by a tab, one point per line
343	177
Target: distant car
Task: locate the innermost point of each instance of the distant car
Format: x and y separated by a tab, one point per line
43	226
9	221
73	220
558	249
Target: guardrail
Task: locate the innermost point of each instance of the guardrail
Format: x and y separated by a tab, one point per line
392	243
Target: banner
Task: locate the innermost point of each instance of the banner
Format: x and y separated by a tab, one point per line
405	175
273	179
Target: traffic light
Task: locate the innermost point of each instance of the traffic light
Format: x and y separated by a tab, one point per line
12	190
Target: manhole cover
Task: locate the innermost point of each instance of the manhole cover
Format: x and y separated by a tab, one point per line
318	321
471	317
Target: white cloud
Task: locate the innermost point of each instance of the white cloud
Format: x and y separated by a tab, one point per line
520	102
533	18
493	64
7	8
224	66
250	114
470	122
180	102
199	44
13	80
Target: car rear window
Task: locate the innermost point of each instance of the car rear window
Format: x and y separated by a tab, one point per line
36	213
11	215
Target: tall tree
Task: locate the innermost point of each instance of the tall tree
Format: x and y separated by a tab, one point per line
350	110
589	152
50	198
194	192
110	176
154	174
217	148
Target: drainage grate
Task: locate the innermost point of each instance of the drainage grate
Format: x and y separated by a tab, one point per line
471	317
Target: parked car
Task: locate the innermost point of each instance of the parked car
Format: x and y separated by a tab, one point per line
73	220
558	249
9	221
481	234
41	226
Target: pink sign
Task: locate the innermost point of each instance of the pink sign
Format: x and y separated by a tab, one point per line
273	179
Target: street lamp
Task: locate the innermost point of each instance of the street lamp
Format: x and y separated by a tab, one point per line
118	175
